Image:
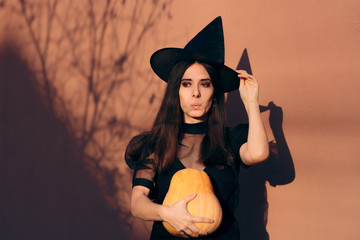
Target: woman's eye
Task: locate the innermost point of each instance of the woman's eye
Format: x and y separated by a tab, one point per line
206	84
185	84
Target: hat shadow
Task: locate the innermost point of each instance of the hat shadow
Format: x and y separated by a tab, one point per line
277	170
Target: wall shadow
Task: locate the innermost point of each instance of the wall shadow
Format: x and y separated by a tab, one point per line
277	170
46	192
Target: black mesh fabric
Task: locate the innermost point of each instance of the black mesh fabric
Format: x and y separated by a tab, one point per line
224	180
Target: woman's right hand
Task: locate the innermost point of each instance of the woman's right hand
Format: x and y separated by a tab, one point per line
180	219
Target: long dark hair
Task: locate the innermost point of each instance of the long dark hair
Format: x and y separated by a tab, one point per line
162	141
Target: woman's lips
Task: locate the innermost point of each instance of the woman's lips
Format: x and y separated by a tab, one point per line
195	106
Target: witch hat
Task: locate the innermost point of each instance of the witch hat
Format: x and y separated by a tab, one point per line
207	46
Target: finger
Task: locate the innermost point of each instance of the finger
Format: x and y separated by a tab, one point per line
195	231
244	78
189	197
245	75
189	233
185	234
202	220
241	71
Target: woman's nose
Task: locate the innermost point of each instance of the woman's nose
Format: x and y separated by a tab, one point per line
196	92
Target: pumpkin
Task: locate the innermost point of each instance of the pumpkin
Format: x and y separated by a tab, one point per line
188	181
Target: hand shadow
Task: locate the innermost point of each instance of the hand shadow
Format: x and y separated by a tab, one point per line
277	170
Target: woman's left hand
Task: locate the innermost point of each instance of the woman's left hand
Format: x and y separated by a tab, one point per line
249	88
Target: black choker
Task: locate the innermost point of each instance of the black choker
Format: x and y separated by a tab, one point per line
196	128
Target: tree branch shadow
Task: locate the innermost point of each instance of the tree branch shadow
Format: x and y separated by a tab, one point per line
47	191
81	70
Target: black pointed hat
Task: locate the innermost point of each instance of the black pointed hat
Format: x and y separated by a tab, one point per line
207	46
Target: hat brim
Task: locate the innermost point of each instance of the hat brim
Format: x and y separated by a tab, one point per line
163	61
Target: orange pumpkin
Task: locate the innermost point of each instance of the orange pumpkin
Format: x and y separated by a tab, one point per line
188	181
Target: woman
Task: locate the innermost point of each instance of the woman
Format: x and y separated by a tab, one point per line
189	131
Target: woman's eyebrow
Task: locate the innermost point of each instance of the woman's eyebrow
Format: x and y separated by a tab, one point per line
201	80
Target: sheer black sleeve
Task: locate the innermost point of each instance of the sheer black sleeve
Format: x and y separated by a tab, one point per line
142	164
237	136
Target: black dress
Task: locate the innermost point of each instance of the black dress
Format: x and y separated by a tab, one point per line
224	179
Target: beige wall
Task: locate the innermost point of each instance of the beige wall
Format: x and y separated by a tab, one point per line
305	55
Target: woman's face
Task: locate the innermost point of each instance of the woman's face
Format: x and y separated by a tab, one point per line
196	93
